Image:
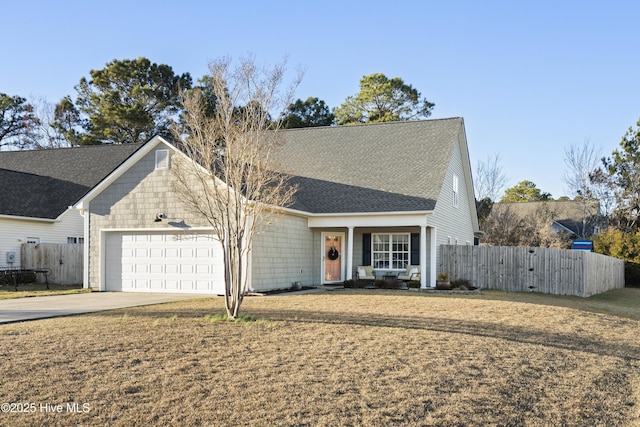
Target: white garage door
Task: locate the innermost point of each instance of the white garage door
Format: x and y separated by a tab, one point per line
163	262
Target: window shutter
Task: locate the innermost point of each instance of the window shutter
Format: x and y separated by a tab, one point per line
366	249
415	249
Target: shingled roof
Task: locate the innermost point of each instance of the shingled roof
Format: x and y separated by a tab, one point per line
385	167
44	183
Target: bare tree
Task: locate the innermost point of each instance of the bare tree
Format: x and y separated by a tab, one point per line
506	227
582	161
502	227
231	179
489	180
42	134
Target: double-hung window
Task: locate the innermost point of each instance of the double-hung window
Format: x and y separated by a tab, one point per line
391	251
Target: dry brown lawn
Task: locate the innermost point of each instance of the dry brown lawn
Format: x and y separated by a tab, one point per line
38	290
328	359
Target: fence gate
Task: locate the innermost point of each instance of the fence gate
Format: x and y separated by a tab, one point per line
64	261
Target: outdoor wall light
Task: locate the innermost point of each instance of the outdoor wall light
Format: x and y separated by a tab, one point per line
160	217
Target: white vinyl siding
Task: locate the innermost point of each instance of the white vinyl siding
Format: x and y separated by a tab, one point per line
14	232
453	224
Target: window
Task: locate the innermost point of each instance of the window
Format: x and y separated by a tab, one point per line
75	239
390	251
32	240
455	191
162	159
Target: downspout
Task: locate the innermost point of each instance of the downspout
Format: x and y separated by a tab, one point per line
84	213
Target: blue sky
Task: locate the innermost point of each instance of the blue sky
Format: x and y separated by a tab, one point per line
529	78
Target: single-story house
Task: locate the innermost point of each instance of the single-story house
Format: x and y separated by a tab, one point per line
38	189
382	195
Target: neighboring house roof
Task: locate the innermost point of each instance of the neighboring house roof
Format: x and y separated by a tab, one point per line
384	167
44	183
566	213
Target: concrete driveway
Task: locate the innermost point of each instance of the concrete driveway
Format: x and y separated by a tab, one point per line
23	309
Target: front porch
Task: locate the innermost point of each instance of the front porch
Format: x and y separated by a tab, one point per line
387	244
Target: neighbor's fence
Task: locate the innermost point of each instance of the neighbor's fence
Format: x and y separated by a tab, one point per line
550	271
64	261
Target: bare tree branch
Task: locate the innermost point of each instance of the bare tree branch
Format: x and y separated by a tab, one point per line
231	178
489	179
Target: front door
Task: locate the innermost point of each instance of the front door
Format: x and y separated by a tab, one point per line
332	259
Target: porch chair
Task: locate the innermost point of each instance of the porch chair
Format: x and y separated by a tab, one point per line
412	273
365	272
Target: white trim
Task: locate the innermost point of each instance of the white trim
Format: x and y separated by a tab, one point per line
368	220
356	214
568	230
349	253
433	258
28	218
173	229
85	250
423	257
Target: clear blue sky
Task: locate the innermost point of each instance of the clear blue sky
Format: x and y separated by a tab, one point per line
529	78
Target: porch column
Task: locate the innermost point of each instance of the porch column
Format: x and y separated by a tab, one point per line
423	257
350	253
432	262
85	247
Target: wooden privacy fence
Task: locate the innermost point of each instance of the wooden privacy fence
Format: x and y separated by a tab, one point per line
550	271
64	261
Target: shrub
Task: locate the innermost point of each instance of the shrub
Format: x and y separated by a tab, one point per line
460	283
349	283
387	284
413	285
380	283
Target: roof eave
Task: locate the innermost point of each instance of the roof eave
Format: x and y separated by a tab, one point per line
28	218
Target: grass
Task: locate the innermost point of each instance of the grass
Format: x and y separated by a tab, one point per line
38	290
619	302
351	357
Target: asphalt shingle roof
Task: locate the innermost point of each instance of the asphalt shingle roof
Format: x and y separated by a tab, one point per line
43	183
383	167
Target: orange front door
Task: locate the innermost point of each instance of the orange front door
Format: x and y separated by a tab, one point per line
332	256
